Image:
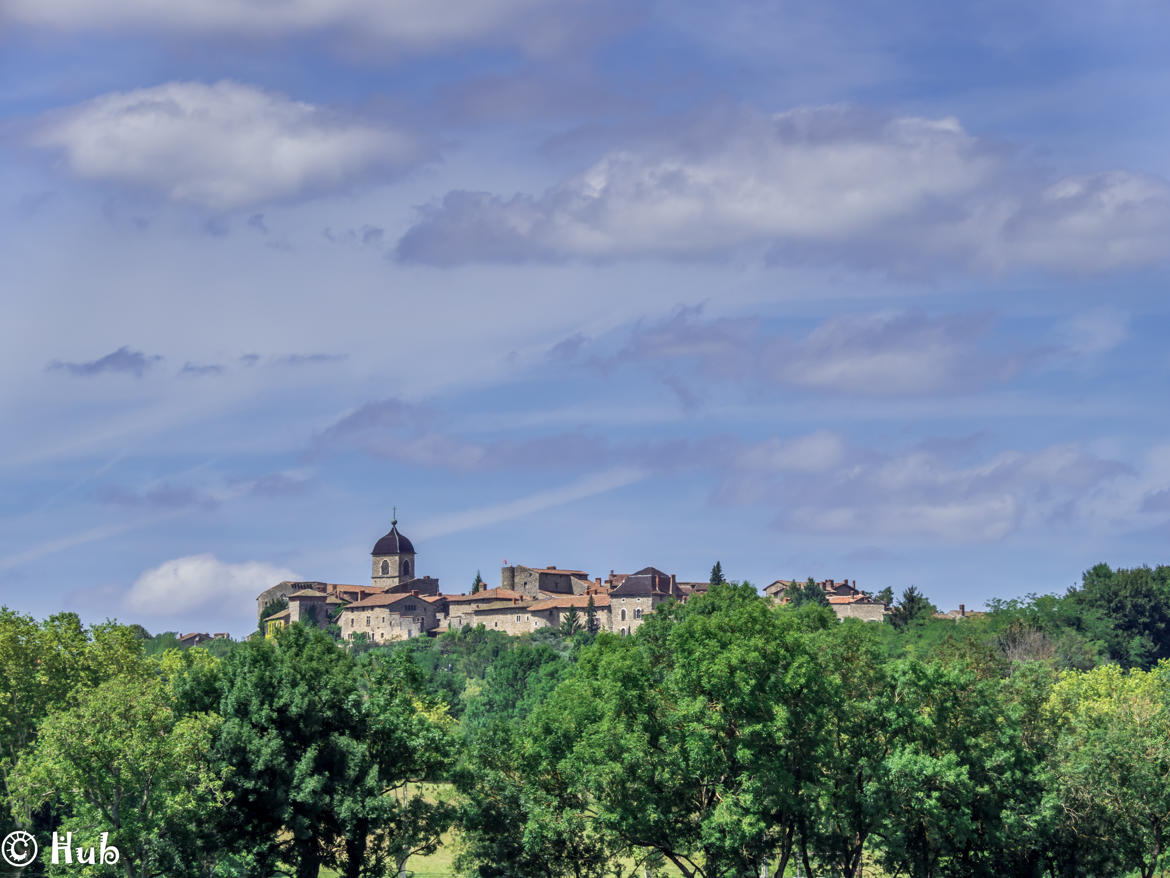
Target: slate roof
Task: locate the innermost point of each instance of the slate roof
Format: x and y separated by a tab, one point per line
393	543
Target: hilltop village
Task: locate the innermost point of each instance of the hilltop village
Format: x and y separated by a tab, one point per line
399	604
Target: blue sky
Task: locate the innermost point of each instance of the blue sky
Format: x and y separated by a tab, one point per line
806	288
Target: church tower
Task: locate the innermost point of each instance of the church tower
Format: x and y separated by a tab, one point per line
393	557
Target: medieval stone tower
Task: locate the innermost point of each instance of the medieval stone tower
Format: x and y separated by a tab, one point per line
393	559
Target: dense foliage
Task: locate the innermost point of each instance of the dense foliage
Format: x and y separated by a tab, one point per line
725	737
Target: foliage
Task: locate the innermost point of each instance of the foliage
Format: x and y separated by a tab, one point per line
807	593
912	607
122	761
717	574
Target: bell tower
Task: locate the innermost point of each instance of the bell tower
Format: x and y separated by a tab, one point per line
393	558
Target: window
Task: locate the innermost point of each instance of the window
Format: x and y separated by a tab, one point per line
368	620
406	568
638	613
517	618
385	568
410	607
623	632
623	618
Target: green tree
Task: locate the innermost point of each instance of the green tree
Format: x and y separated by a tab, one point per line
122	761
808	593
592	625
885	596
287	738
717	574
696	737
1108	781
912	606
571	623
478	585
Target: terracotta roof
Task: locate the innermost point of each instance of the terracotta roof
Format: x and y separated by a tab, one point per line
850	599
505	605
433	598
333	599
277	617
580	573
380	600
488	594
564	601
307	593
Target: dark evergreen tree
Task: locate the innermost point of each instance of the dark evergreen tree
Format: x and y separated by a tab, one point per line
717	574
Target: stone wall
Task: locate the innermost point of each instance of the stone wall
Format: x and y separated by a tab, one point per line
399	569
868	612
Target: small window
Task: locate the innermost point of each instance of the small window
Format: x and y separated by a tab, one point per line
638	613
623	632
385	568
517	618
406	568
623	618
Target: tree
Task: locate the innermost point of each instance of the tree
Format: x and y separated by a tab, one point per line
288	740
123	761
571	623
808	593
694	739
885	596
912	606
717	574
478	585
1108	781
592	625
402	740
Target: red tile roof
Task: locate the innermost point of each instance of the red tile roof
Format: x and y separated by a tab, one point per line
381	600
488	594
564	601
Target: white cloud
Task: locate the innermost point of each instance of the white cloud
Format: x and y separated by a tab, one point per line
201	582
818	483
815	452
823	184
417	24
221	146
889	354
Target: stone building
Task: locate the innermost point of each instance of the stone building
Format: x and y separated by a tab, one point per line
550	612
393	559
392	616
533	580
845	598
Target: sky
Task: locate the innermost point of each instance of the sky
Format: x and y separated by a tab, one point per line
873	292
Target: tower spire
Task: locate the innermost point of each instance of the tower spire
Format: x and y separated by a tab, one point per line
394	520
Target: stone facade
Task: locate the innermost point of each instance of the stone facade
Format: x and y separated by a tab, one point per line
531	581
388	617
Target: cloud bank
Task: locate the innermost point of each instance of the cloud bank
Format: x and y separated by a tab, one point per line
834	184
201	582
533	25
222	146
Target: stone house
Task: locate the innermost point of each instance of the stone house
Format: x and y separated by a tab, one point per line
531	581
392	616
636	595
550	611
461	608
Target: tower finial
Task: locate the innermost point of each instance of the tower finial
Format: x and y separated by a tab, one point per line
394	520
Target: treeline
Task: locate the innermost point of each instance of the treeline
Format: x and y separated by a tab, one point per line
724	737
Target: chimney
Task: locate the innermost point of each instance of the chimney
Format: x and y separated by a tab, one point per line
414	592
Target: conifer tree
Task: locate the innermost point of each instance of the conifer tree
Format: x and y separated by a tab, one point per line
717	574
